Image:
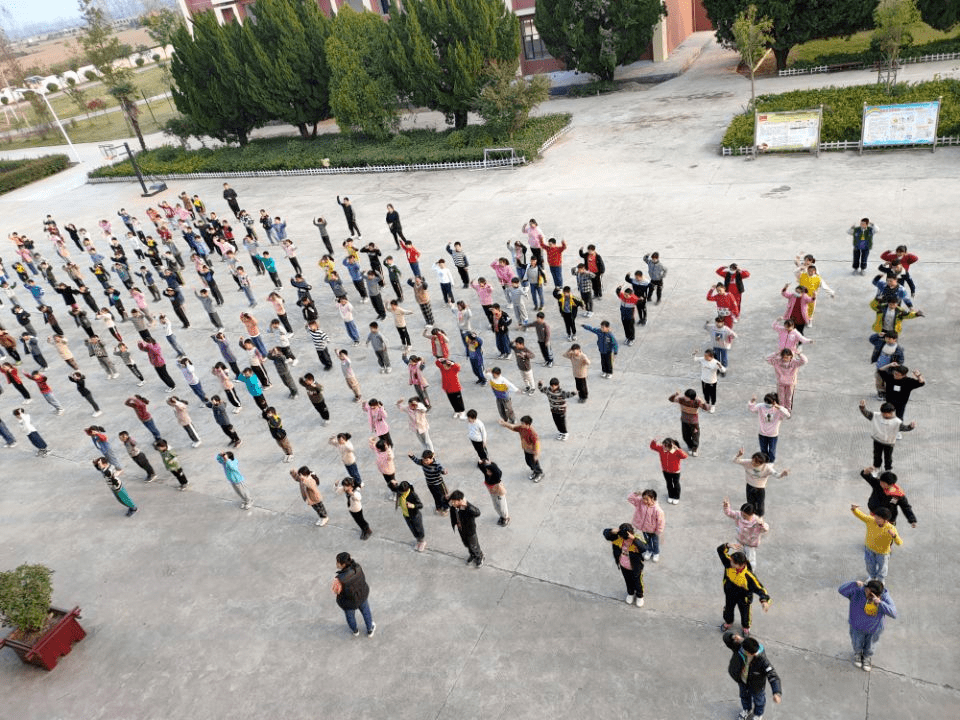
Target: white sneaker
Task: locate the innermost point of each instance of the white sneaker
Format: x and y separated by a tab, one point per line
236	411
98	413
629	599
197	444
287	458
321	522
140	384
639	602
656	558
647	555
744	714
712	409
295	361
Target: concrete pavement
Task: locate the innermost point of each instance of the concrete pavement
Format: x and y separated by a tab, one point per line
195	608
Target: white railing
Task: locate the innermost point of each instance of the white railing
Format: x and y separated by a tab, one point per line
843	67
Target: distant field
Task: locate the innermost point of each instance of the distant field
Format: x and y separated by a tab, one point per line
57	51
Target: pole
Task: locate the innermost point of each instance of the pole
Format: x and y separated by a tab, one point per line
60	125
136	168
147	103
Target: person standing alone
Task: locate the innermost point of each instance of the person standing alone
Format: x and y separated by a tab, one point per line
350	587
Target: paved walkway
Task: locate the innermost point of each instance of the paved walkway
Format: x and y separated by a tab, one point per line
197	609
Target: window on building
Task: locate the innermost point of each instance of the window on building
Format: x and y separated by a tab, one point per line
533	47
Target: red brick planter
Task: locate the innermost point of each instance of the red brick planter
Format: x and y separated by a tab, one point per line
46	651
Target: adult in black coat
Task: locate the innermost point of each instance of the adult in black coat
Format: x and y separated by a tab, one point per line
350	587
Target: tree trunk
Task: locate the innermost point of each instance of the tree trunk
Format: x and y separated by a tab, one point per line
242	138
460	119
781	55
302	128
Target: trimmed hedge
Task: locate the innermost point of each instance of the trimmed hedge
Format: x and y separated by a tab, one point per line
294	153
871	56
17	173
843	108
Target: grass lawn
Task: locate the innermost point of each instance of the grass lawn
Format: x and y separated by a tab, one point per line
860	42
99	129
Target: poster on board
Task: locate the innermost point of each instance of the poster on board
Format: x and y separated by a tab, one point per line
784	131
906	124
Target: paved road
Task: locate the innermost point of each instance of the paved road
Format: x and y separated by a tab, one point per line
195	608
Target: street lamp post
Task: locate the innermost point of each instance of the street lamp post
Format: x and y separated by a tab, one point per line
55	117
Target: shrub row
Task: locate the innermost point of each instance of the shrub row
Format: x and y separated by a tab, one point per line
843	108
872	55
413	146
17	173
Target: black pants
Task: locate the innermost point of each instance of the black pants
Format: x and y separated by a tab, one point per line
261	375
606	363
165	376
597	282
756	497
295	264
472	544
456	401
178	309
633	580
742	604
320	509
439	492
629	329
427	312
673	484
88	396
587	298
275	277
361	523
642	311
377	302
655	285
321	407
361	287
261	401
397	232
404	336
324	356
415	522
480	448
22	390
464	276
230	433
569	323
397	289
691	435
881	452
545	351
532	463
285	322
709	392
141	460
581	384
232	396
560	420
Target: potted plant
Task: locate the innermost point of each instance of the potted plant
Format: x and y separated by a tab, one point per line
41	634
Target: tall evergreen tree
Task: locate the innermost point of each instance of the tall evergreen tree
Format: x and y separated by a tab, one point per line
289	75
363	97
941	14
210	71
595	36
794	21
440	48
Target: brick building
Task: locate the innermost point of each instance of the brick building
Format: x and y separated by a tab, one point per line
683	18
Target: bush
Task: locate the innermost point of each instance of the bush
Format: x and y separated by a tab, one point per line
25	595
52	87
90	75
139	62
17	173
285	153
843	108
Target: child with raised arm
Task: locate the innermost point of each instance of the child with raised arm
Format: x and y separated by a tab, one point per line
757	469
750	528
770	414
671	455
648	518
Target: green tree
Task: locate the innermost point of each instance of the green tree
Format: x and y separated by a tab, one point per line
440	48
596	36
363	96
288	72
210	72
893	20
506	100
103	49
752	37
161	23
77	96
794	21
941	14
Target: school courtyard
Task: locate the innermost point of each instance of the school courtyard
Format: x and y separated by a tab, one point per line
196	609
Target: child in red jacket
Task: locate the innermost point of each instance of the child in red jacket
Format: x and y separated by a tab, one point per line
671	456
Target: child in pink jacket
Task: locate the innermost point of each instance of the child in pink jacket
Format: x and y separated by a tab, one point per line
649	519
785	365
378	420
750	528
788	335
